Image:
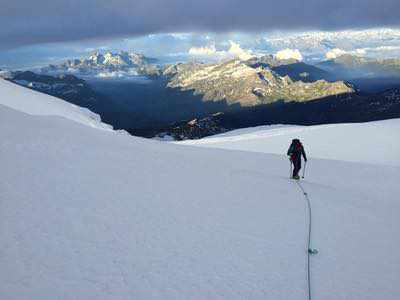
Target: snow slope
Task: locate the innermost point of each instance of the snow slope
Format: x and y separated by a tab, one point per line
90	214
35	103
373	142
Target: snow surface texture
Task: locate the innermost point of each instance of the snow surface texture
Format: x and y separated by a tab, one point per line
90	214
35	103
373	142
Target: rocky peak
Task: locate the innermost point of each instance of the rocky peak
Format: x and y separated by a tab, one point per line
270	60
247	84
95	57
116	59
350	60
98	62
193	129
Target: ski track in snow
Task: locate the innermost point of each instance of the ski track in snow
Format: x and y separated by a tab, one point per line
120	241
91	214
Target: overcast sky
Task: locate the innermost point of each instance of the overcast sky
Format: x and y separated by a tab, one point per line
33	22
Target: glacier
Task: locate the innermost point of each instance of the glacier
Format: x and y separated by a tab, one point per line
87	213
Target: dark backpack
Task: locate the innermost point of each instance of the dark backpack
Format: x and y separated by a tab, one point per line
295	147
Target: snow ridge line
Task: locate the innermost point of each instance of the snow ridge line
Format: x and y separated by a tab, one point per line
309	250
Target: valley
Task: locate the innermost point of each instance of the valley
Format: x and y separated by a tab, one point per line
135	93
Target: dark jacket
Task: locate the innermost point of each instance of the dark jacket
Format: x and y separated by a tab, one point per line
296	149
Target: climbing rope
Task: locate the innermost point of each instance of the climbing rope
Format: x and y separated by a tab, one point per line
310	250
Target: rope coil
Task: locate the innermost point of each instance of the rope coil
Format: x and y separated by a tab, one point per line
310	250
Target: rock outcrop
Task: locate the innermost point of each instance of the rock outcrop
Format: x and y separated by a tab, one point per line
247	84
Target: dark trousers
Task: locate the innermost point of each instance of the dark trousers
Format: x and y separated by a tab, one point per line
296	160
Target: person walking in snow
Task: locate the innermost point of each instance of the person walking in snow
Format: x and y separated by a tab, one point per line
296	150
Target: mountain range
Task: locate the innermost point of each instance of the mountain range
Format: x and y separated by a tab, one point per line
345	108
249	83
315	45
350	66
129	63
236	83
193	99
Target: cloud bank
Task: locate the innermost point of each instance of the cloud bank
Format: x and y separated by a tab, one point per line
234	51
42	21
334	53
203	51
288	54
